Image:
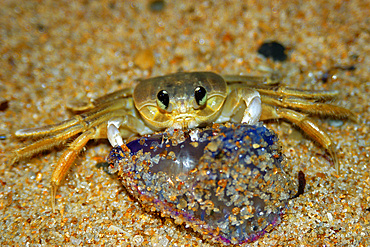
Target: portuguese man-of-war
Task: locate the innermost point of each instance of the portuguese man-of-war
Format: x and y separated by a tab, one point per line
226	182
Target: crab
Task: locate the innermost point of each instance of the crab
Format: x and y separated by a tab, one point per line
182	100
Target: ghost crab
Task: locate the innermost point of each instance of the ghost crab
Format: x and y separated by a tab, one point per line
182	100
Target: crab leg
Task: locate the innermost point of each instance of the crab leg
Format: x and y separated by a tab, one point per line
87	116
307	125
282	90
268	86
311	107
45	143
123	93
80	123
66	160
250	80
101	101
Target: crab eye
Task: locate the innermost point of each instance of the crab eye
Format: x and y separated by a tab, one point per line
163	100
200	95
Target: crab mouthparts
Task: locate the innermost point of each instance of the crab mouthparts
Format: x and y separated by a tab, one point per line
184	122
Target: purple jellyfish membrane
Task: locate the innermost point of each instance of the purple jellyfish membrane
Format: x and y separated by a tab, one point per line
226	182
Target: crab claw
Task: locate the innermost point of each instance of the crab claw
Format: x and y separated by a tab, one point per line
253	112
113	134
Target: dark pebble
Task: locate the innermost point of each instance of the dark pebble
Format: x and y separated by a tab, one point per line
273	50
4	104
157	5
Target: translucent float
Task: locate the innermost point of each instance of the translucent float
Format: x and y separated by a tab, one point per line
226	182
